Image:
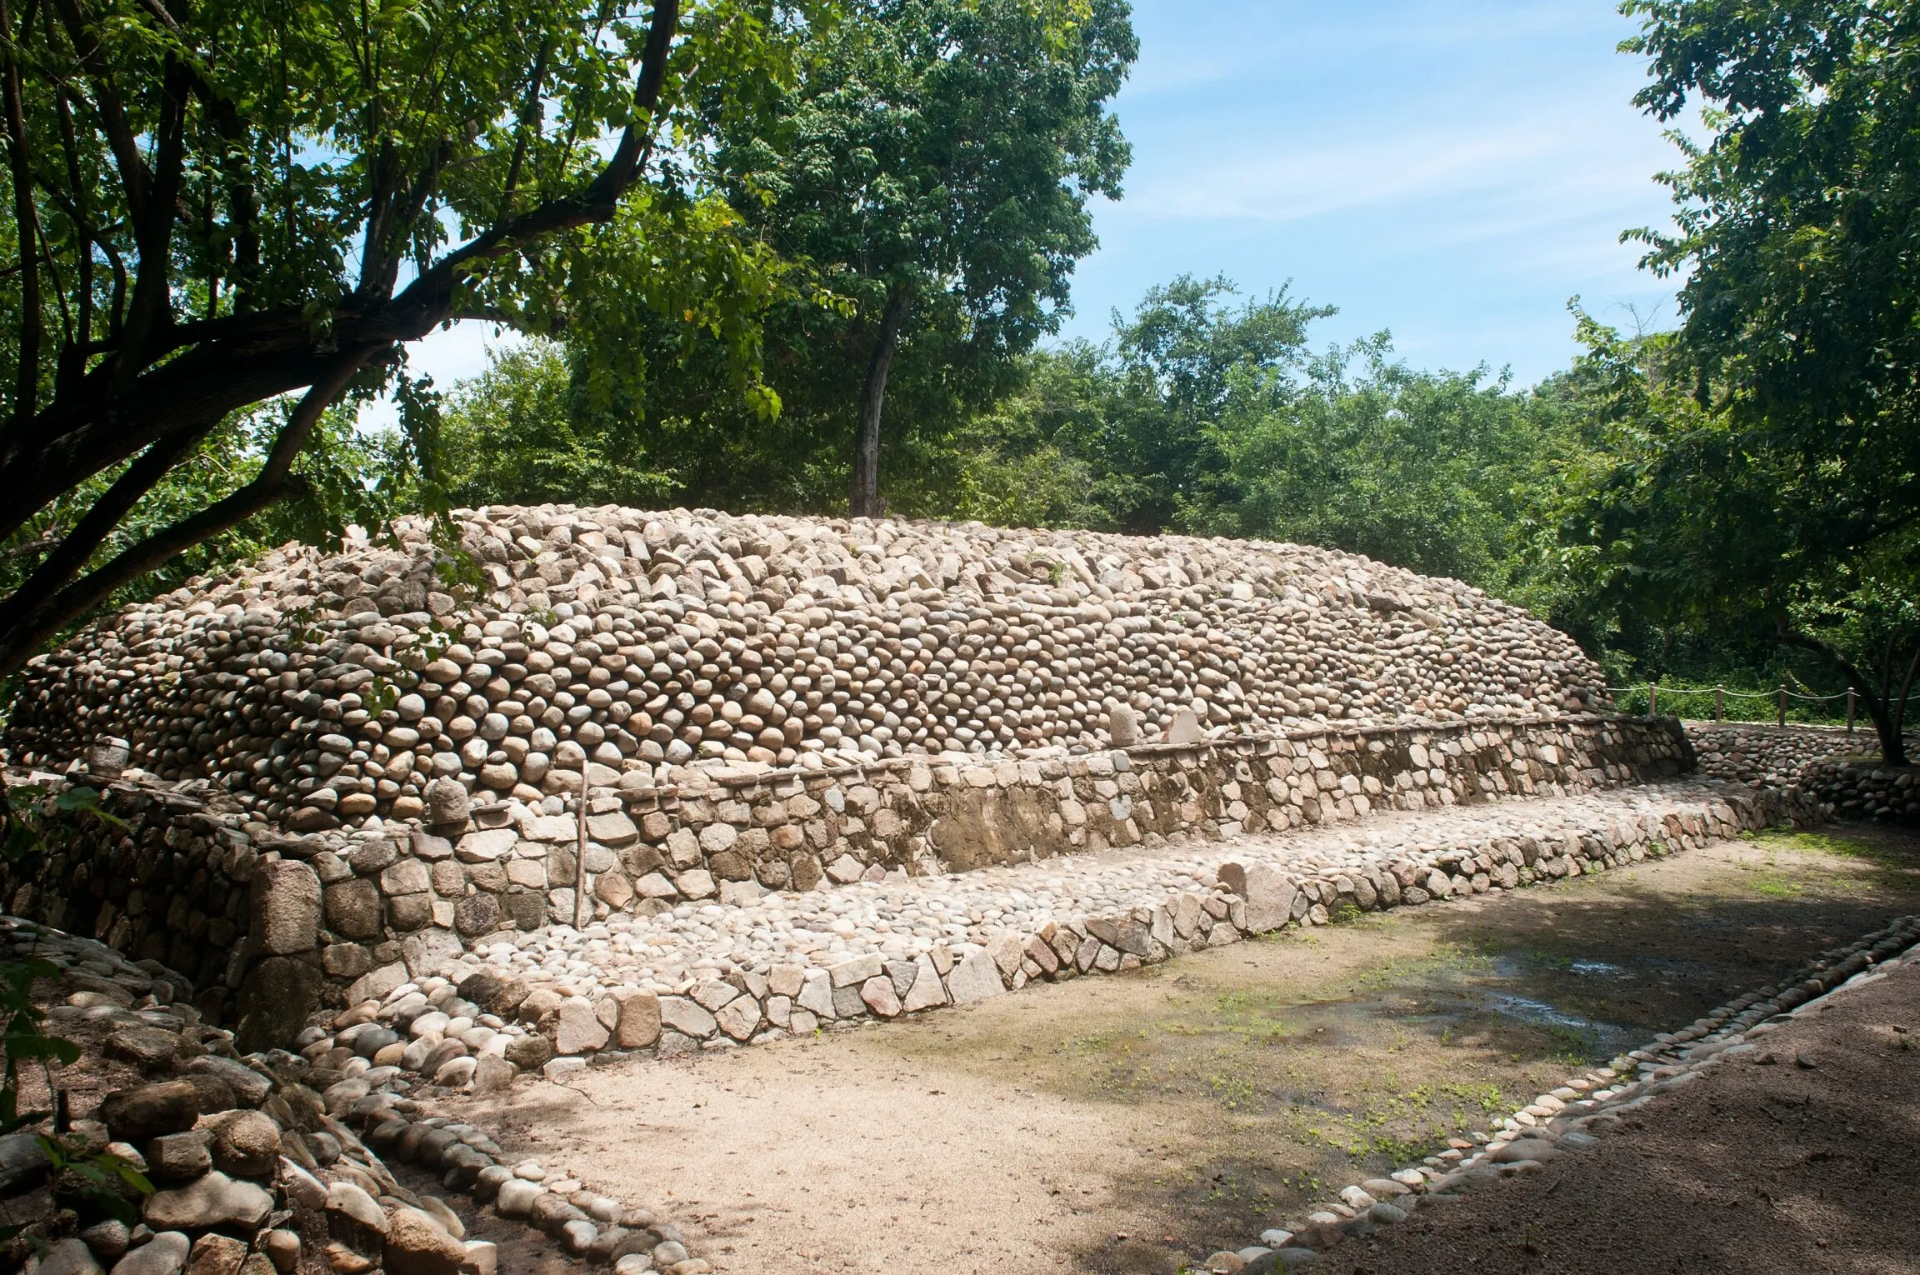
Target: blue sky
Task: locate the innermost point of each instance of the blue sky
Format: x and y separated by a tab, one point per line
1451	172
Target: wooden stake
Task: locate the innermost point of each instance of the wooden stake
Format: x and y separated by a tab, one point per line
1719	703
1850	710
1783	704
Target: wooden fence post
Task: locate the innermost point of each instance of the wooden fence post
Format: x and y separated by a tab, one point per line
1653	700
1719	703
1783	704
1850	710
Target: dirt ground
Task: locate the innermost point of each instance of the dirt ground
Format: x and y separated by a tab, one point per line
1797	1159
1132	1124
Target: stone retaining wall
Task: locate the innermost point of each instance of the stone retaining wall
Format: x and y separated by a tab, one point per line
1866	790
183	875
1748	752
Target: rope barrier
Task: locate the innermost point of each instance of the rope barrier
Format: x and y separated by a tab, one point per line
1781	697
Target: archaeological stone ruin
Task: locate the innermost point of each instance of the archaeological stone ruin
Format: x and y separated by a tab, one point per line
343	769
408	819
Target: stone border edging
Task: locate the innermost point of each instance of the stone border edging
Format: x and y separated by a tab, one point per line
1557	1122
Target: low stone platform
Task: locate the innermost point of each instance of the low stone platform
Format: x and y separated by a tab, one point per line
713	974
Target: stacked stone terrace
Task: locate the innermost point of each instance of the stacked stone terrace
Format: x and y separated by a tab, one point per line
329	689
333	777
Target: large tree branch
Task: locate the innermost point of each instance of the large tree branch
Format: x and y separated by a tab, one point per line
150	308
21	637
201	384
79	545
430	295
1790	636
26	392
131	399
134	177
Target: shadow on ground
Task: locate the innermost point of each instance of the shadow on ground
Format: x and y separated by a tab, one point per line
1129	1124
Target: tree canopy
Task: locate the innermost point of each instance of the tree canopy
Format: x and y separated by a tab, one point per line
226	205
933	162
1767	461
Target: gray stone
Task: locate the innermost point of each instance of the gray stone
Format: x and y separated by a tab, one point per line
488	846
246	1144
1123	728
529	1053
1269	896
492	1074
148	1048
858	970
164	1254
177	1157
108	1240
352	1201
478	914
376	984
739	1017
515	1199
69	1257
577	1028
926	991
23	1162
639	1022
417	1244
353	909
975	979
1526	1149
428	951
277	997
250	1088
447	802
285	903
215	1200
409	876
147	1111
683	1016
1185	729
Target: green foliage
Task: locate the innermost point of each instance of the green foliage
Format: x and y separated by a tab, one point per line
1436	472
938	149
1760	477
511	437
226	220
933	163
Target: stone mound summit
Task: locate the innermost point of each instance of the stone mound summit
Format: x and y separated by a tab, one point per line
329	688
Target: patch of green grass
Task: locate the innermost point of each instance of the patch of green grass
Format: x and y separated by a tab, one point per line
1777	887
1814	843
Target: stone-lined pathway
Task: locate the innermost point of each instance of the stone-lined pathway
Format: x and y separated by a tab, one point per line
719	973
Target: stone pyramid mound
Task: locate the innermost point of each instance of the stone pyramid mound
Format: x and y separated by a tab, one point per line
323	688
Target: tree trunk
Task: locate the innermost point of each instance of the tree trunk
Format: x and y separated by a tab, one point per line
864	498
1885	702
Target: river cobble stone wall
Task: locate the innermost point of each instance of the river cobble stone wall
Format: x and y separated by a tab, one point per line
185	875
1748	752
327	690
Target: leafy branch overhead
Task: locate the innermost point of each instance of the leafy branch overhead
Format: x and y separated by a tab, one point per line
216	207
